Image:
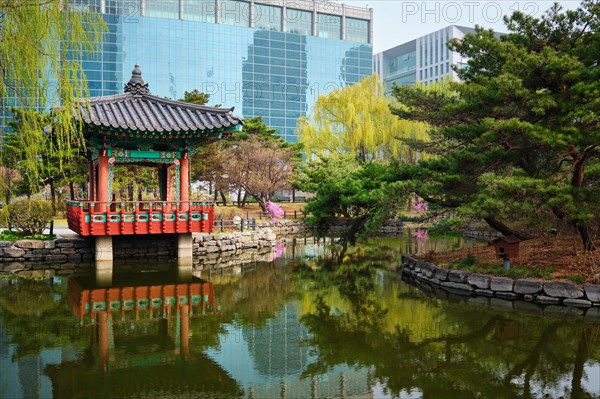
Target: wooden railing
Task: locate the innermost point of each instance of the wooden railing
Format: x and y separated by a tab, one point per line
91	218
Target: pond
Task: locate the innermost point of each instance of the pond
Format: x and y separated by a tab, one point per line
314	322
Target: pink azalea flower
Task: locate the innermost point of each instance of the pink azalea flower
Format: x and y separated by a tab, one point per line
274	211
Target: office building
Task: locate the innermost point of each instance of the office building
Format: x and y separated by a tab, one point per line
425	59
269	58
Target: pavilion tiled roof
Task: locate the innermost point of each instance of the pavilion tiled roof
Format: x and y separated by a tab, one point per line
139	111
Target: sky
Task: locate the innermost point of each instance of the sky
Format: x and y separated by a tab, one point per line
399	21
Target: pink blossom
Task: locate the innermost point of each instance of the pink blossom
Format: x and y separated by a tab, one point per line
274	211
422	206
279	249
422	234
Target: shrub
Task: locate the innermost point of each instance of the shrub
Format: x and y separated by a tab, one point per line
28	216
448	225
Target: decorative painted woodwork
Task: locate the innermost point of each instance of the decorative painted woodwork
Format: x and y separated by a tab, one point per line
139	128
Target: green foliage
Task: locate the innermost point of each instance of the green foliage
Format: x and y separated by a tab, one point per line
345	188
36	72
518	141
267	157
29	216
357	119
451	224
195	97
54	165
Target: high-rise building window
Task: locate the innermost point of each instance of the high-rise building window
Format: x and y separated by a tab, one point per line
447	67
267	17
436	51
162	9
199	10
403	63
442	45
329	26
357	30
234	12
436	70
298	21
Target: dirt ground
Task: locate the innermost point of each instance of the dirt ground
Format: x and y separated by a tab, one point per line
561	257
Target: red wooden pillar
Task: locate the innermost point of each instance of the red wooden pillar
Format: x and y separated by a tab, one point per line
102	193
184	180
103	339
185	331
92	187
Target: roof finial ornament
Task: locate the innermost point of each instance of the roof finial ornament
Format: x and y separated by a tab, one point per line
136	85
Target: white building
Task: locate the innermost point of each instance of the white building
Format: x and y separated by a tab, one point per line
425	59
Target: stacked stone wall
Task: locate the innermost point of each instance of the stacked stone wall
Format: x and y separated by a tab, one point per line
546	294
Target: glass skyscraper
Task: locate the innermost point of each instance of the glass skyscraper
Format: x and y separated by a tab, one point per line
425	59
269	58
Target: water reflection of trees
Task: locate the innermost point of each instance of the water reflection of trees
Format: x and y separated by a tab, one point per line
254	297
36	316
444	349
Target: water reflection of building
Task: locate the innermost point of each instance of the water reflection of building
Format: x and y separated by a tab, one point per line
271	360
140	340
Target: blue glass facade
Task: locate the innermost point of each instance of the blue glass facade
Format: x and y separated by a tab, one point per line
264	71
261	72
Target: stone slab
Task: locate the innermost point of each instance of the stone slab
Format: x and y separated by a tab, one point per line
592	292
562	289
479	281
507	295
501	284
441	274
29	244
458	276
525	286
457	286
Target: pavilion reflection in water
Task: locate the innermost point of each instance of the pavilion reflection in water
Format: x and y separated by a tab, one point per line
140	330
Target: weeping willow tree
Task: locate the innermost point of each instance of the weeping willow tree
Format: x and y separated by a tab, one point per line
42	44
357	119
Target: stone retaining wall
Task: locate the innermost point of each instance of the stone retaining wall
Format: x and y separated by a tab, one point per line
68	252
388	227
526	289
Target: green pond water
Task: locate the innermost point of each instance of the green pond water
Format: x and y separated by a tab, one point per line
314	322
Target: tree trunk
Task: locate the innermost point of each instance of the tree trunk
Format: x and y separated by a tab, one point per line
72	190
239	198
53	196
244	199
223	198
577	182
262	203
581	226
504	229
584	233
130	192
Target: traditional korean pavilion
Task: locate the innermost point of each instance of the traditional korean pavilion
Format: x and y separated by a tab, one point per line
138	128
